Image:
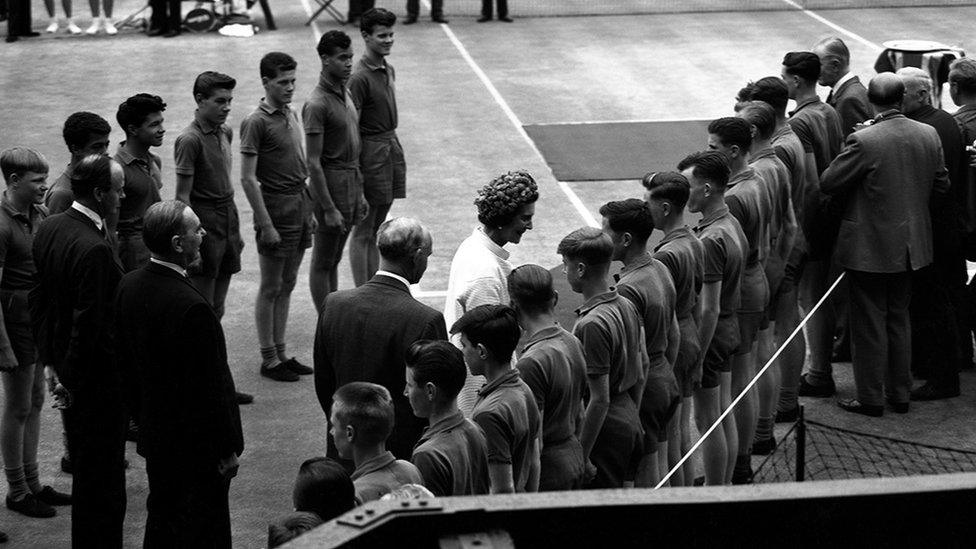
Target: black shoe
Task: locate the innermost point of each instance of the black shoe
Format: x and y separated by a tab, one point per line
930	391
788	416
31	34
279	373
483	19
410	20
297	367
742	475
11	38
31	507
155	32
899	407
171	34
66	465
763	447
505	19
808	389
854	405
699	481
440	20
243	398
51	496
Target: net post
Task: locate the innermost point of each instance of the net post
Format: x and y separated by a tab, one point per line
801	446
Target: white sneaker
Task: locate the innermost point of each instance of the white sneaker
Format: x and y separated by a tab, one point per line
73	29
110	28
93	29
52	28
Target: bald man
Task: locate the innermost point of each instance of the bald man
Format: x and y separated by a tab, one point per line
888	171
847	95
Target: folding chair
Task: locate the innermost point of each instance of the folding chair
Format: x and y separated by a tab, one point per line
326	5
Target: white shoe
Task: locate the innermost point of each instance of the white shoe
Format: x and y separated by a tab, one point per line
73	29
110	28
52	28
93	29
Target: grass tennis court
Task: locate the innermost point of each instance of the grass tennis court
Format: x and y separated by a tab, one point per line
464	93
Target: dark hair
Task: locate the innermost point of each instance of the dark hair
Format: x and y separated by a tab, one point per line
368	407
771	89
885	92
134	110
670	186
20	160
711	166
398	238
80	126
732	131
629	216
438	362
323	487
499	200
530	287
290	526
161	222
761	115
331	42
804	64
588	244
962	72
494	326
208	82
275	63
92	172
376	17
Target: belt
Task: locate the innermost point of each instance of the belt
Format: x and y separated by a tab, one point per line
341	166
382	136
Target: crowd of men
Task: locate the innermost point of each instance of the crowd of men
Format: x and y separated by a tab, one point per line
121	293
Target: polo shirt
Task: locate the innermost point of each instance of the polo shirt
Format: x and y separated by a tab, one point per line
818	126
329	111
452	457
16	238
966	118
683	254
789	149
648	285
776	183
507	414
553	367
276	136
723	243
609	329
143	179
747	202
59	195
382	474
373	90
203	152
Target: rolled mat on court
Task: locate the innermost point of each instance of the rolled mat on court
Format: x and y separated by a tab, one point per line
616	150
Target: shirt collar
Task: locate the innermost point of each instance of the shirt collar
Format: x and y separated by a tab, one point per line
173	266
589	304
338	90
549	332
714	216
267	108
366	63
5	203
809	101
374	464
205	127
843	79
507	378
89	213
679	232
638	263
744	175
394	276
490	244
444	424
886	115
126	157
763	153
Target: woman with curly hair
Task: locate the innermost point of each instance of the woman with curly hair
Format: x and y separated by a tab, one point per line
479	271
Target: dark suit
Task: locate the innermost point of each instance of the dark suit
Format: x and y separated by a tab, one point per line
172	347
71	308
850	100
166	15
363	335
888	171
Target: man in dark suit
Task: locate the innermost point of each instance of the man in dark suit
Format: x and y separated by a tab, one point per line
364	333
172	347
888	170
847	95
71	309
962	89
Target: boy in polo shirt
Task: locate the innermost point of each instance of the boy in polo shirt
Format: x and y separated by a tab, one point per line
273	173
85	134
647	283
609	330
553	366
362	420
451	455
505	410
373	90
749	202
718	331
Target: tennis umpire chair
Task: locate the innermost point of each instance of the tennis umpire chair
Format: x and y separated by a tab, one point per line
326	5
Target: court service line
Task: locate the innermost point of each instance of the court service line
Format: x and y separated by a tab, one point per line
834	26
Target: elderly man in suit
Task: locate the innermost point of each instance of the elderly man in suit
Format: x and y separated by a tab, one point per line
71	309
172	347
364	333
888	171
847	95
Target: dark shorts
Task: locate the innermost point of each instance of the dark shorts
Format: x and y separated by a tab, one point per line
133	252
561	466
290	215
327	251
718	355
749	326
222	245
384	169
345	188
16	319
660	400
618	448
687	367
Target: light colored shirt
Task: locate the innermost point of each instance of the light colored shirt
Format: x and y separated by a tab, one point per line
394	276
173	266
89	213
381	475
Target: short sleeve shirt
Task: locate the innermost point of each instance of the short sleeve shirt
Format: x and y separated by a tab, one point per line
648	285
451	456
609	329
59	195
381	475
203	152
143	180
723	243
329	111
373	90
818	126
507	414
683	255
16	238
553	366
276	136
789	150
776	179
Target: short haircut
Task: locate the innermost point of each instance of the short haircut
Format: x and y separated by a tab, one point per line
368	407
376	17
494	326
398	238
331	42
530	287
323	487
438	362
835	47
209	82
275	63
81	126
711	166
499	200
732	130
587	244
20	160
92	172
885	91
962	72
629	216
291	526
761	115
161	222
804	64
670	186
134	110
771	89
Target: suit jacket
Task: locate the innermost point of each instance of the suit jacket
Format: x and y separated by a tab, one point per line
172	350
889	170
71	303
850	100
363	335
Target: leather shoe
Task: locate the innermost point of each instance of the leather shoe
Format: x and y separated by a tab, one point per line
409	20
31	34
854	405
763	447
51	496
31	507
155	32
930	391
297	367
484	19
898	407
505	19
171	34
440	20
808	389
243	398
280	372
788	416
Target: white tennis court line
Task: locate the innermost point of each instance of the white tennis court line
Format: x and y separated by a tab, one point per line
835	26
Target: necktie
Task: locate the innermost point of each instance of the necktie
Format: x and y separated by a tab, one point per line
830	97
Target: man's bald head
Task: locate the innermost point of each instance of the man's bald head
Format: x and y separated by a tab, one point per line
404	245
835	59
886	91
918	88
